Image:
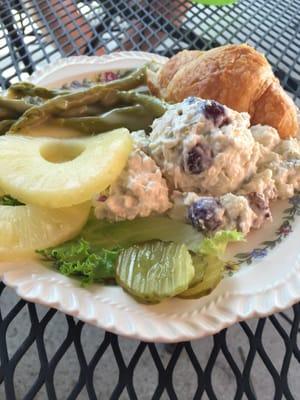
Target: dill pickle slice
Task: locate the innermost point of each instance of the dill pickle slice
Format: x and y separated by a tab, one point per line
154	271
213	275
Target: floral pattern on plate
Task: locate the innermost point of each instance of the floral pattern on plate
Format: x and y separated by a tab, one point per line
282	232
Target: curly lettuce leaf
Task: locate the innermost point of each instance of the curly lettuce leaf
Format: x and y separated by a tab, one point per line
209	263
94	256
80	259
216	245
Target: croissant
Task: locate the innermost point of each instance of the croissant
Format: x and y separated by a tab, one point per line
158	82
235	75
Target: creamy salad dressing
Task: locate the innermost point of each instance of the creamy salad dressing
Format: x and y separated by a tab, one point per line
238	213
139	191
229	151
203	163
261	183
279	161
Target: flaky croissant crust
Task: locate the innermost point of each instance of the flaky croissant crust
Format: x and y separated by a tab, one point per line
235	75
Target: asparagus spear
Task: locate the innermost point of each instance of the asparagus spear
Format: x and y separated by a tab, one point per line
12	108
131	81
84	111
22	89
155	106
57	106
5	125
99	95
133	118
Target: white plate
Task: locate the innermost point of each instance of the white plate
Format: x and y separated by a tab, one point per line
268	281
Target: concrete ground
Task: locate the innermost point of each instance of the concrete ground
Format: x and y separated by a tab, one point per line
145	378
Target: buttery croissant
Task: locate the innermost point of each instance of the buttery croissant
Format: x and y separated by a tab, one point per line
158	82
235	75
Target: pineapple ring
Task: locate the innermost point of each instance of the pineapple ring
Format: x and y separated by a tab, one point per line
59	173
24	229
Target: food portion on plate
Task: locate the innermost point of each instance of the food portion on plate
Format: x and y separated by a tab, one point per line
237	76
109	184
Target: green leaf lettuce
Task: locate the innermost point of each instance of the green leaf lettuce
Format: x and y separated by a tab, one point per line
209	263
80	258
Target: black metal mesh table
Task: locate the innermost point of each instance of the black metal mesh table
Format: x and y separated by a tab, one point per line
258	359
